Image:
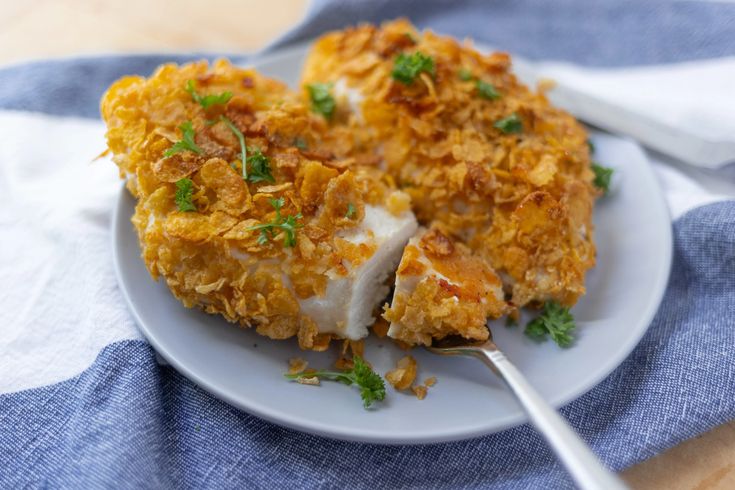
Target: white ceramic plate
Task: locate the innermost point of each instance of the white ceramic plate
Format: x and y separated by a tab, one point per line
633	234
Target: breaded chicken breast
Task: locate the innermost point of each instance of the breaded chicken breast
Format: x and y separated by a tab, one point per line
289	211
241	211
489	160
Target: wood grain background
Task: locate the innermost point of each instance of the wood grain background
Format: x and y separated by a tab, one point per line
50	28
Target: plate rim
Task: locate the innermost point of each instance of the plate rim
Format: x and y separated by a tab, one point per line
315	427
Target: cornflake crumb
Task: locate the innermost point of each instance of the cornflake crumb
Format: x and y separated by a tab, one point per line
350	349
398	203
545	84
420	391
403	375
515	315
380	327
430	381
404	346
297	365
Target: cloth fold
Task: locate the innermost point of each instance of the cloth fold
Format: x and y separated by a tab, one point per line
84	404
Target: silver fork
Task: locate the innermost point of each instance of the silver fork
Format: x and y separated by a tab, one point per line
586	470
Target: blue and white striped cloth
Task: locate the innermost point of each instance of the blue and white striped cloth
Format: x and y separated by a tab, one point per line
84	404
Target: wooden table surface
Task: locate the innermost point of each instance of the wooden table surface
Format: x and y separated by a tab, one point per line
49	28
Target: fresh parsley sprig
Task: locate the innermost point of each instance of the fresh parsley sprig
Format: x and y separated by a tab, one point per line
187	141
555	321
243	149
351	210
322	101
260	169
184	195
207	101
465	74
372	386
259	164
487	90
510	124
286	224
407	67
603	177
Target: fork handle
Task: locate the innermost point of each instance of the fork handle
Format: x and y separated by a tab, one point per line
582	464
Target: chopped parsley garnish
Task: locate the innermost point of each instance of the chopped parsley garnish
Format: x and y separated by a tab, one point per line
510	124
287	225
350	211
408	66
591	146
260	169
487	90
187	141
243	149
322	101
555	321
465	75
372	387
410	37
300	143
511	322
603	176
207	101
184	194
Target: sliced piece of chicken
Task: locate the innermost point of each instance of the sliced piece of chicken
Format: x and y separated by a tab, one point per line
346	309
442	289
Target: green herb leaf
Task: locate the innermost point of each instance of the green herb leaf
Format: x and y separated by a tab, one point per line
260	169
555	321
372	387
207	101
350	211
603	176
322	101
510	124
465	74
408	66
243	149
187	141
591	146
287	225
300	143
184	194
487	90
510	322
410	37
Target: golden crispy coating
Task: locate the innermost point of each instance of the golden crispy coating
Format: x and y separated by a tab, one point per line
520	197
442	289
211	257
501	179
404	374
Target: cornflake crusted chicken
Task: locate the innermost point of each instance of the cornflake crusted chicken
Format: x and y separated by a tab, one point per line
240	210
442	289
479	153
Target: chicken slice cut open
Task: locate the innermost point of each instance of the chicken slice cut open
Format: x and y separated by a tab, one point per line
442	289
346	309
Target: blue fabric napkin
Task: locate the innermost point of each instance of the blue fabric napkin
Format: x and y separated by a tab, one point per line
128	422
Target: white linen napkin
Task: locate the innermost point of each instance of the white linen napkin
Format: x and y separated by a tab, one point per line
685	110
